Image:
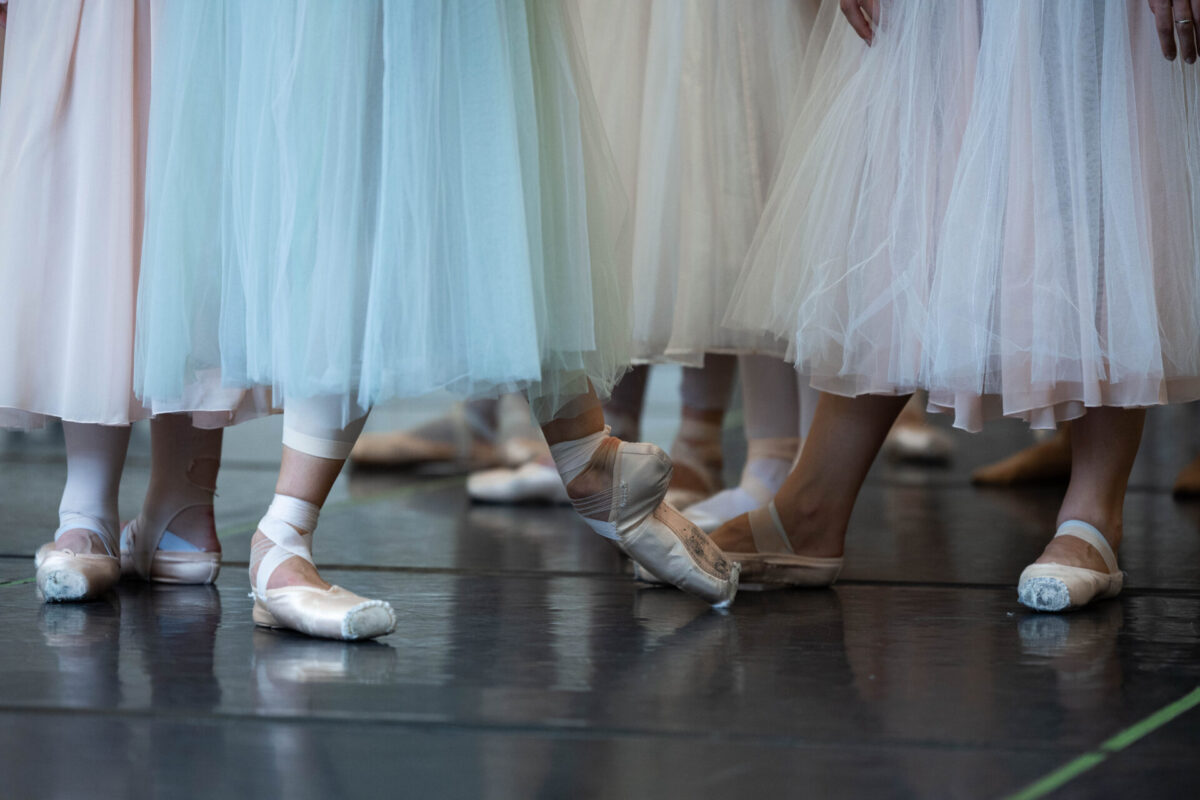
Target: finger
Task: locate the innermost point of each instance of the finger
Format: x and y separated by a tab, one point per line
1185	29
1195	4
1165	26
873	10
853	12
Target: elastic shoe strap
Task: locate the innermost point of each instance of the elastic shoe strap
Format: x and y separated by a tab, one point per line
74	521
767	529
573	456
1090	534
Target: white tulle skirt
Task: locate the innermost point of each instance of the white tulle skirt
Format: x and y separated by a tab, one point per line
997	202
375	200
695	97
73	109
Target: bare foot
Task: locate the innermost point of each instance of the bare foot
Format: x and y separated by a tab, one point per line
1187	483
293	572
1044	462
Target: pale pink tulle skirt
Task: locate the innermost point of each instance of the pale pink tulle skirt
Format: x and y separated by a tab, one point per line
997	202
73	113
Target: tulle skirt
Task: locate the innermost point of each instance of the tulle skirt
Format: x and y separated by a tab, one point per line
73	108
695	97
997	202
375	200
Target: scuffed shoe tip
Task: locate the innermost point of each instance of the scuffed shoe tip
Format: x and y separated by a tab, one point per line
62	585
368	620
1044	594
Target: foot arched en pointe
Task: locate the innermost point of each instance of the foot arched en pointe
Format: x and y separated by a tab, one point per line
619	493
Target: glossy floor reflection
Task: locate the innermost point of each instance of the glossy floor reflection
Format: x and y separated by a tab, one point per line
529	664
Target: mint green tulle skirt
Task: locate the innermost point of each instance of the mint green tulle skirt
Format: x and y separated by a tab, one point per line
377	200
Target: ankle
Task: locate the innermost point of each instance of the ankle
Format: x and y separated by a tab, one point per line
1106	520
811	519
197	526
596	476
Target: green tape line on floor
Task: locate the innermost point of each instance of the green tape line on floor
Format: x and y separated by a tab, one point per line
1073	769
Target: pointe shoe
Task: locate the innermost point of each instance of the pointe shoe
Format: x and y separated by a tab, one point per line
652	533
152	553
332	613
774	564
64	576
918	443
530	483
1059	587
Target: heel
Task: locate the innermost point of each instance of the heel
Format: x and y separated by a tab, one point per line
262	617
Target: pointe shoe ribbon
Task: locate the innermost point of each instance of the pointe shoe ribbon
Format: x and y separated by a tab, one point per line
332	613
656	536
66	576
1060	587
774	563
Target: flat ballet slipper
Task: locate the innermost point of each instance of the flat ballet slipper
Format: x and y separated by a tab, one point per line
1059	587
774	564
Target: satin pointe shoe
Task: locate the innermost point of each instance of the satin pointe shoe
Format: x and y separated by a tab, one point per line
332	613
651	532
919	444
150	551
1058	587
532	482
774	564
65	576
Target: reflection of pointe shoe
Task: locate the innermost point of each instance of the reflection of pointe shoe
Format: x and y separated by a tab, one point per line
1079	638
774	564
332	613
632	512
151	552
65	576
919	443
531	483
1059	587
291	659
82	627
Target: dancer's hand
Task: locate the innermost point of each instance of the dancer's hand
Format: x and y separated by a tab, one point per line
1176	19
863	16
3	13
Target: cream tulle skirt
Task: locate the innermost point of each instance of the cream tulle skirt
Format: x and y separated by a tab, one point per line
695	97
998	202
375	200
73	109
